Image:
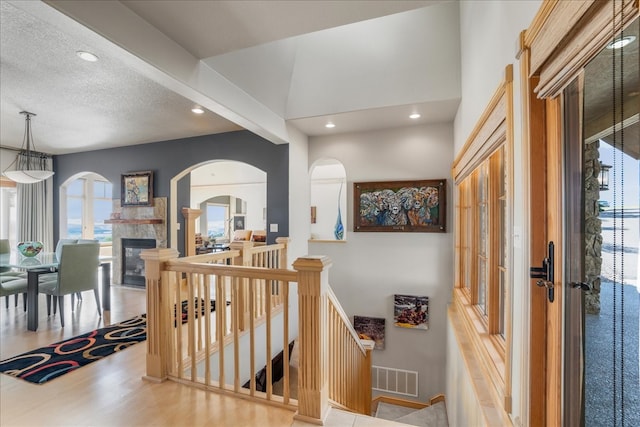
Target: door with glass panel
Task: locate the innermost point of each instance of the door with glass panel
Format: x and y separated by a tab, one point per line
602	180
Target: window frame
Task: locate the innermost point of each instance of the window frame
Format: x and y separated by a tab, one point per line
87	200
489	149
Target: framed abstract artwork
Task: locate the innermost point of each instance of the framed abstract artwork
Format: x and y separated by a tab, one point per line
400	206
137	189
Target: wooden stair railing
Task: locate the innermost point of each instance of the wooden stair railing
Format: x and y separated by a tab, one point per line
213	352
350	362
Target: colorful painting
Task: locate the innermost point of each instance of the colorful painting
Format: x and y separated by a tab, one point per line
137	189
411	311
370	328
407	206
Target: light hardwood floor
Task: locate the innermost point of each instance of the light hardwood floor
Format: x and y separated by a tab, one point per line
110	391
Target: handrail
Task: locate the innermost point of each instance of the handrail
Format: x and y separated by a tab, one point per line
334	300
254	311
349	361
226	256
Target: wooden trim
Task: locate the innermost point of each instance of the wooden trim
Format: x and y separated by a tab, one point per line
566	35
555	218
487	149
538	249
491	407
551	24
487	134
494	231
509	274
404	402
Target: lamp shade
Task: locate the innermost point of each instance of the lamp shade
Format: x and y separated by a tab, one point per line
28	176
26	172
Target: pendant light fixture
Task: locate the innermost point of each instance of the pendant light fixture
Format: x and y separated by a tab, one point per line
29	174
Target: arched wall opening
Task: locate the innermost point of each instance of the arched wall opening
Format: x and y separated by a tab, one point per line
328	195
237	188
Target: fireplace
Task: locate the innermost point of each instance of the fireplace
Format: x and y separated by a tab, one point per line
132	264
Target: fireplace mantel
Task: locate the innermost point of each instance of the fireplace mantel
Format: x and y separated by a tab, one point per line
142	222
135	221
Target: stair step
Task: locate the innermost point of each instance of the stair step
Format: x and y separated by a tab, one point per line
340	418
389	411
431	416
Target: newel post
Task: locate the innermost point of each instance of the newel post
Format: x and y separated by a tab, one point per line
313	388
243	246
157	310
190	216
284	261
365	377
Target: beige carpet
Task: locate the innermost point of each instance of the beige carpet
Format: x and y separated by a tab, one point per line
431	416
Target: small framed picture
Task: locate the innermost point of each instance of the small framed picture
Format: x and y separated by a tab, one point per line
411	311
238	222
137	189
370	328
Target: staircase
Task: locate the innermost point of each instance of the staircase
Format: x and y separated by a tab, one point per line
266	304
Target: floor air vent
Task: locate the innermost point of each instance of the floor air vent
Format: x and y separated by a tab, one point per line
394	380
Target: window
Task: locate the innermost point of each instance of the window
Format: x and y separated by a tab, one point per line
482	177
217	220
8	211
87	203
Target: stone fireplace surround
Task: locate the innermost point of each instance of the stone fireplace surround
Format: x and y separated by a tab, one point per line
137	222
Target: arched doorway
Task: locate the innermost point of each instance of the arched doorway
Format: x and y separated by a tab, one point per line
225	191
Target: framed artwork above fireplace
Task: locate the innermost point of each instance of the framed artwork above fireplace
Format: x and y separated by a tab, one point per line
137	189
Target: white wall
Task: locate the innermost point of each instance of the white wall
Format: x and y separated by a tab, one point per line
371	267
299	201
486	50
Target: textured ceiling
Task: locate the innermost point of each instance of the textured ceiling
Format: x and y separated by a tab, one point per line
80	105
83	106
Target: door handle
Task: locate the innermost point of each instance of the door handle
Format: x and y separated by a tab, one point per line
580	285
545	274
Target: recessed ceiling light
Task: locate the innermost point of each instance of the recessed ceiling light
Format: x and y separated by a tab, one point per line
87	56
197	110
329	125
621	42
414	116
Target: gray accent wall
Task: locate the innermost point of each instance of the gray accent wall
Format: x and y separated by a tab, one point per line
168	158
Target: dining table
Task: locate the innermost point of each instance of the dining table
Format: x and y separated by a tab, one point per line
47	262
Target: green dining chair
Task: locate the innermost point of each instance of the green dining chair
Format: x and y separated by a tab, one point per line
18	279
77	272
